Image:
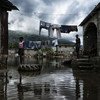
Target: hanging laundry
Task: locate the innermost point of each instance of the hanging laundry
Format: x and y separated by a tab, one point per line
55	42
67	29
57	28
58	33
51	31
44	25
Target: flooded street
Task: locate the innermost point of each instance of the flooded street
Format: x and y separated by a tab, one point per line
53	82
49	49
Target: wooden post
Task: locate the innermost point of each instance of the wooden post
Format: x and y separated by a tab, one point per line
4	32
4	36
0	31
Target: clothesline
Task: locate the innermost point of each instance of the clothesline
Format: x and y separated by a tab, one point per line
54	13
59	28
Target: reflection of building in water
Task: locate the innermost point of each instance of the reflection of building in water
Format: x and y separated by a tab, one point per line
46	87
87	85
42	89
45	91
3	86
53	65
38	90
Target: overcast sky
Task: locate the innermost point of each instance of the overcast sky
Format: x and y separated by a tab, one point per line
62	12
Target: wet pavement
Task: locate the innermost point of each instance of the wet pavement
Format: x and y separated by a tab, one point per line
53	82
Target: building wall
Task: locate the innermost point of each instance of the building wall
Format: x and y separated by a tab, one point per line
0	32
96	20
28	52
4	32
65	49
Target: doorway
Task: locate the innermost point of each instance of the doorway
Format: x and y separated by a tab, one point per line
90	39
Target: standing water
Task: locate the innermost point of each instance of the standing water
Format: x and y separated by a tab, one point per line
53	82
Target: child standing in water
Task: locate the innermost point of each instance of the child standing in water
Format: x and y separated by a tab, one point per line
21	49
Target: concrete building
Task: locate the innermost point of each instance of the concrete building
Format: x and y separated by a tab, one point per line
91	32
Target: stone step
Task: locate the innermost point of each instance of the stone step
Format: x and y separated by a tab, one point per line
83	60
85	67
85	56
84	63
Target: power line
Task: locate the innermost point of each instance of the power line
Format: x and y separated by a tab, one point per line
38	13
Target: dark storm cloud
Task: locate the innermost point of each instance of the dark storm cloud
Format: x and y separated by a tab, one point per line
28	8
50	2
17	2
67	18
44	9
43	16
25	6
70	14
74	12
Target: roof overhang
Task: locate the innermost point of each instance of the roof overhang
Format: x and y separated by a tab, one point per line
7	5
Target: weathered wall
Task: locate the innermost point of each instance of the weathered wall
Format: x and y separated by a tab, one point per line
98	29
28	52
0	32
96	20
4	32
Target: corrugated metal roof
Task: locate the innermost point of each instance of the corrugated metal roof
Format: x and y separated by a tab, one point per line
92	13
7	5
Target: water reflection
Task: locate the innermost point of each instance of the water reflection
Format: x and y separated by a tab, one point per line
53	82
45	91
87	84
3	85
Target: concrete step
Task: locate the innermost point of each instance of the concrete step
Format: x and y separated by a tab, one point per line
85	56
84	63
83	60
85	67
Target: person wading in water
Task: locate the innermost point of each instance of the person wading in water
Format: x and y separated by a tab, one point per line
21	50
